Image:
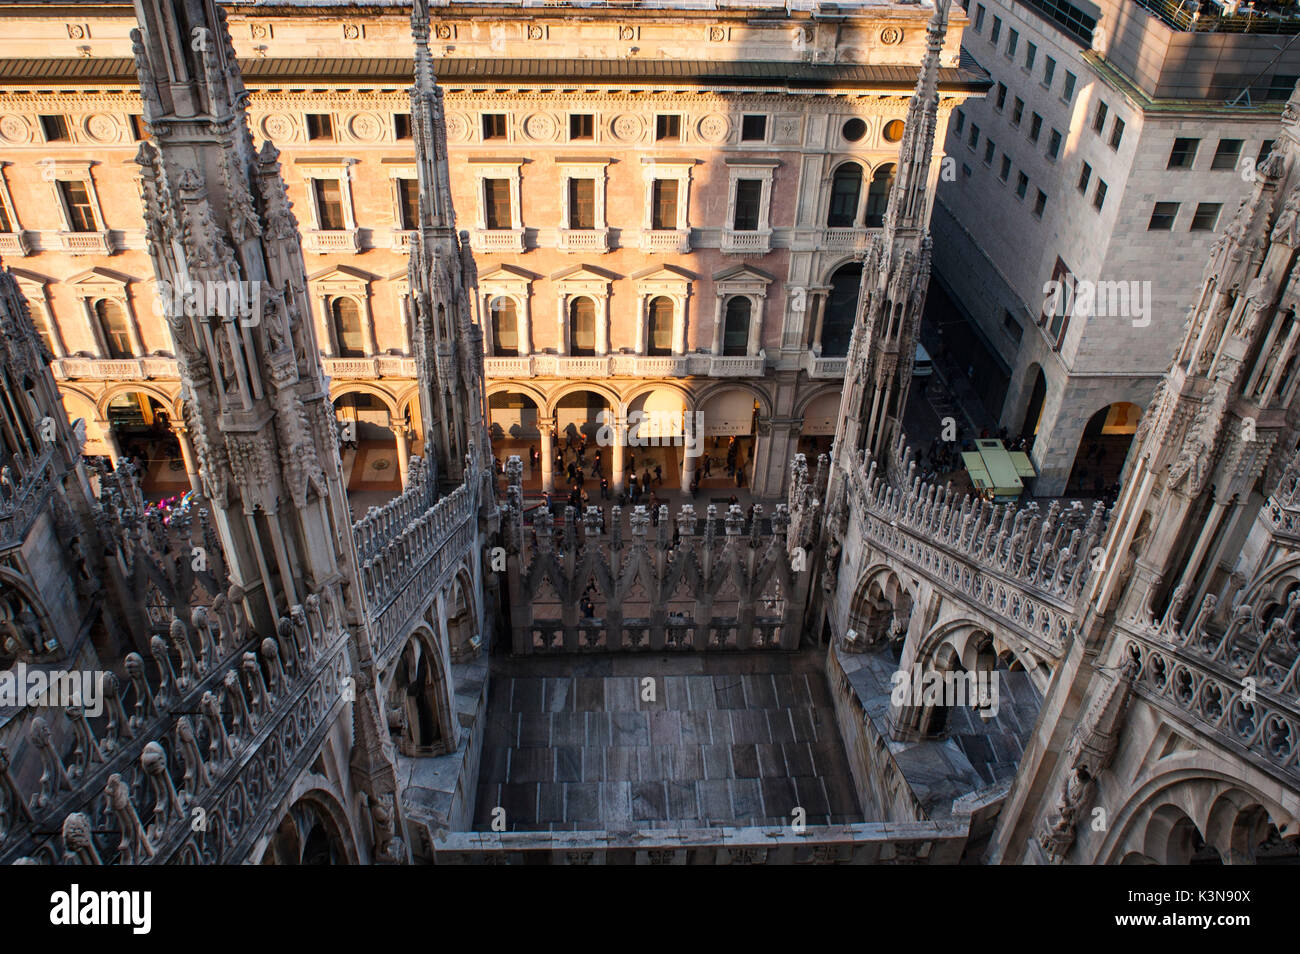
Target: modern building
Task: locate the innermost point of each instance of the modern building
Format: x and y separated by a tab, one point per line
667	208
1109	155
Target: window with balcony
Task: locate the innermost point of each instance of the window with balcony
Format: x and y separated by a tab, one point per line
408	203
79	206
749	202
735	335
1183	153
498	212
1162	217
494	126
582	327
882	183
1206	216
659	327
841	310
1227	153
663	199
349	337
505	327
328	195
582	204
668	127
113	330
320	126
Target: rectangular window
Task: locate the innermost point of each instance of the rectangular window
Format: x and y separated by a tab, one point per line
960	122
1017	110
320	126
1099	117
974	138
582	126
1035	127
497	213
668	127
1281	87
749	195
1183	154
1116	133
1002	95
401	126
1058	318
1265	148
1040	203
989	149
494	126
408	203
55	128
1067	88
1099	196
76	199
753	128
663	215
1022	185
1054	144
1012	327
138	132
1006	168
1162	217
1206	216
1227	154
979	18
1013	40
1031	53
1085	176
1049	71
329	203
996	32
6	225
582	203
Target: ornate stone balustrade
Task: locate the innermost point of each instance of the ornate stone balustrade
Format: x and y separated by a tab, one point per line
599	366
719	366
819	367
584	240
847	240
1022	567
192	752
322	241
116	369
85	243
25	486
15	243
498	240
746	243
666	240
380	366
381	525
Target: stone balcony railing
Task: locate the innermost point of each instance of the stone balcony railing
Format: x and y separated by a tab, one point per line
497	240
380	366
85	243
32	482
721	366
847	240
192	752
1021	567
666	240
818	367
746	243
593	241
116	369
324	241
15	244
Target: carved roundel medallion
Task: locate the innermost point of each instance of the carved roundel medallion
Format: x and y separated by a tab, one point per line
457	127
14	129
367	127
891	35
102	128
627	127
278	127
714	128
541	127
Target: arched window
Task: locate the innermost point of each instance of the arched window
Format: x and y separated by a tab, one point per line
659	332
347	328
735	335
112	326
505	327
582	326
841	311
846	189
882	183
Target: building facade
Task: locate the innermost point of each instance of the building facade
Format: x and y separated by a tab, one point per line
667	210
1112	149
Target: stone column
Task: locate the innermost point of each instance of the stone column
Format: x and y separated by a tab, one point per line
403	450
548	467
187	454
756	329
602	327
717	326
616	465
679	329
561	310
641	343
688	468
526	328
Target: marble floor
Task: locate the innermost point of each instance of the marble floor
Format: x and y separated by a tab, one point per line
575	743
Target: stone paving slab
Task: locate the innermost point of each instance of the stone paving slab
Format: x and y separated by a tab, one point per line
742	739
